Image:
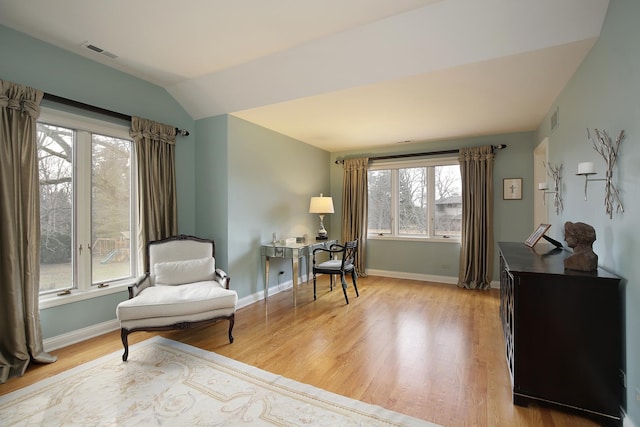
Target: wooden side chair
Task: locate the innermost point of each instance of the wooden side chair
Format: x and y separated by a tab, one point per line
342	260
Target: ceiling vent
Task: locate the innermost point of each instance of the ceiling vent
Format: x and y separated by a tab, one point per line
99	50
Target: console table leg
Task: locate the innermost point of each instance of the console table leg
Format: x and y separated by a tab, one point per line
294	270
266	278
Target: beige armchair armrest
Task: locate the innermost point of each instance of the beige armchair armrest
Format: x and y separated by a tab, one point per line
222	278
142	283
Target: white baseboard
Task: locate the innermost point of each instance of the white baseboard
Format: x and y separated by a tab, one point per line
273	290
422	277
79	335
414	276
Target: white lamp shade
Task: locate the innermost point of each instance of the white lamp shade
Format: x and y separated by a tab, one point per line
321	205
586	168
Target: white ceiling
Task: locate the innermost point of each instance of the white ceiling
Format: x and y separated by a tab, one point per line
337	74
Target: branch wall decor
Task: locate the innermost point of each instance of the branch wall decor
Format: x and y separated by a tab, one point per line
555	173
608	149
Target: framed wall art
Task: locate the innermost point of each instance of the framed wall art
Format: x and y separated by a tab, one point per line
512	188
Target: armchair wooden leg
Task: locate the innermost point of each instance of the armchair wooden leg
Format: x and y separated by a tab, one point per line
232	321
125	342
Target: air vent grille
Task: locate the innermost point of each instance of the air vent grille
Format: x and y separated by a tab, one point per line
99	50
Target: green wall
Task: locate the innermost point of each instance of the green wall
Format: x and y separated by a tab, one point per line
212	183
605	94
513	219
31	62
269	180
247	182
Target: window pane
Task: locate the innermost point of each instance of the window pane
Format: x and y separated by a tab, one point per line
379	207
412	202
448	215
55	155
110	208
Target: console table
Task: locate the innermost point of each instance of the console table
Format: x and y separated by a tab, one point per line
292	251
562	331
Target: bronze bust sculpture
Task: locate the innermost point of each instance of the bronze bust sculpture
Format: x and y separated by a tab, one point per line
580	237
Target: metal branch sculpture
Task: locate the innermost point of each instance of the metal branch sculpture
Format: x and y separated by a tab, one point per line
555	173
603	144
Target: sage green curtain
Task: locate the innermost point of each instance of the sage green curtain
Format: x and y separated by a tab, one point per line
355	193
476	249
154	145
20	331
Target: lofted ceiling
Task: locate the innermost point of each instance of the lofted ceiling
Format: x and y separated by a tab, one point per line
337	74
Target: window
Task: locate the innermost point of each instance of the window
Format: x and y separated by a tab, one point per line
87	204
416	199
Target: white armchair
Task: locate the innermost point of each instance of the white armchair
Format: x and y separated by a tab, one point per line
181	289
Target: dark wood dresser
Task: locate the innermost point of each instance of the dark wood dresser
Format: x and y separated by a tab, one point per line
563	332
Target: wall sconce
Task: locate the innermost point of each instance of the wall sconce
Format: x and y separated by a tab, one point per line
555	172
609	152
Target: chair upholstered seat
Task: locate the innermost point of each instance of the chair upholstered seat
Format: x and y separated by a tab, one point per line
180	289
334	264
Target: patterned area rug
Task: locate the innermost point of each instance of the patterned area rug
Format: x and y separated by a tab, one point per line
169	383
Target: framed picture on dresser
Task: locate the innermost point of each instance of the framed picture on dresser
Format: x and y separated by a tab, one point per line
537	234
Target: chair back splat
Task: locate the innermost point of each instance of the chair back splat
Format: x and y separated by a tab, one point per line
342	260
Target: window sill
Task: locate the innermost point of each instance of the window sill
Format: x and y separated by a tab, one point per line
416	239
49	301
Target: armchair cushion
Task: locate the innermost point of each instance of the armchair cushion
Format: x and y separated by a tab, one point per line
171	301
187	271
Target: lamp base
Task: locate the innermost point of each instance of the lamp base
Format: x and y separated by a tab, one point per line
322	232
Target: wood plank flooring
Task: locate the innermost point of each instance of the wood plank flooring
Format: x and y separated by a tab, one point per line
429	350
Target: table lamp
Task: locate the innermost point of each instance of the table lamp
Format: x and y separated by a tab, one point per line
321	206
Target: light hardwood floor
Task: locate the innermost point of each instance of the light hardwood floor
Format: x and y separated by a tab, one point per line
429	350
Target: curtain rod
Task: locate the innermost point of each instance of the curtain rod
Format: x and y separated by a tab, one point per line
429	153
92	108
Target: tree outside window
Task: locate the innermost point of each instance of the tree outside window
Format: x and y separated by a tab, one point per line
86	210
421	201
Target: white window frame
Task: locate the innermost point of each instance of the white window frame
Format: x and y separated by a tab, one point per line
85	126
394	166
